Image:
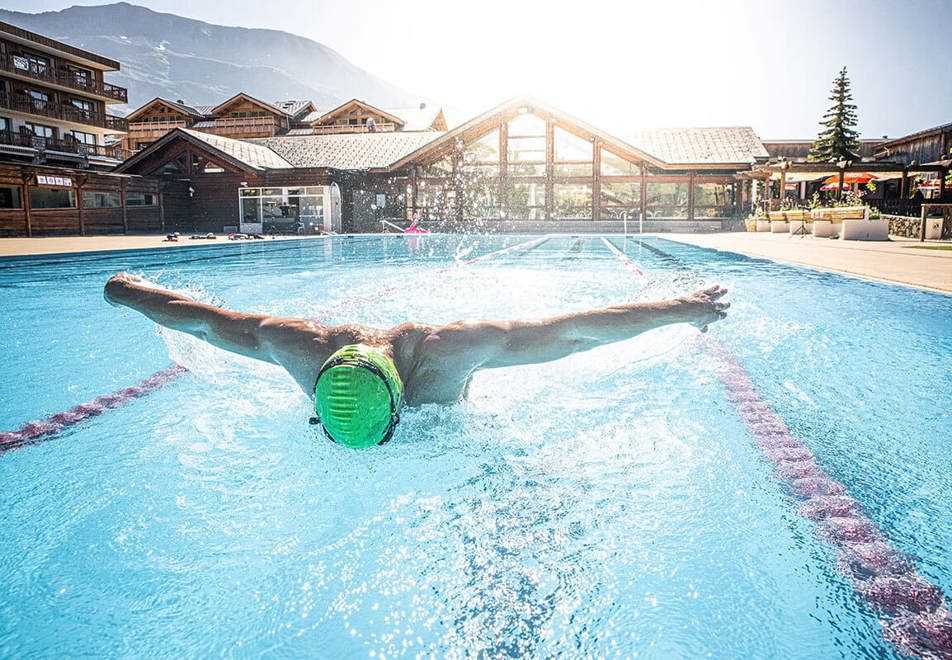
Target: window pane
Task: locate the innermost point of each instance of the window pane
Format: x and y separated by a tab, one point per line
50	198
667	200
714	194
621	194
483	150
526	169
527	124
572	169
100	200
570	147
572	200
441	168
475	172
481	200
525	213
613	165
140	199
251	210
250	192
526	194
526	149
10	197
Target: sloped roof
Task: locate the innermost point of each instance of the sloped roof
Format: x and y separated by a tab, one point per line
256	156
346	151
292	106
707	145
417	119
247	97
312	116
181	107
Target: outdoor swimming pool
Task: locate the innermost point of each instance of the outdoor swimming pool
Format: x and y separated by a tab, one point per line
614	502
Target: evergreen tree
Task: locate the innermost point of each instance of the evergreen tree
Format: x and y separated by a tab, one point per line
838	140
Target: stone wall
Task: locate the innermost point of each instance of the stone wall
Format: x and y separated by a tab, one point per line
902	225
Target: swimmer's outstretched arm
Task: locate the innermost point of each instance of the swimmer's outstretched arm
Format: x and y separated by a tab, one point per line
488	344
295	344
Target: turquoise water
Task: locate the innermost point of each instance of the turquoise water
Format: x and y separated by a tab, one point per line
607	504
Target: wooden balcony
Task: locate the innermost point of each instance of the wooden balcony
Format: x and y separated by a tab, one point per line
352	128
31	106
69	145
239	127
64	78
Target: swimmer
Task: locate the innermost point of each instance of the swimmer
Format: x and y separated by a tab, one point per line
359	376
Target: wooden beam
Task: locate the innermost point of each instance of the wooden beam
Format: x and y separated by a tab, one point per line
596	178
691	195
549	168
839	187
161	193
26	205
122	203
79	206
503	167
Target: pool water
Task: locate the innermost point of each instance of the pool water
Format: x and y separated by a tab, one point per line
612	503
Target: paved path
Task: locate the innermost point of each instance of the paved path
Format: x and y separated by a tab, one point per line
11	247
895	261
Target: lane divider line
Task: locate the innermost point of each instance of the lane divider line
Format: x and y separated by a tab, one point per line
48	427
913	612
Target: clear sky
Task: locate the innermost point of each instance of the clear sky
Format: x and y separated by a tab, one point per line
767	64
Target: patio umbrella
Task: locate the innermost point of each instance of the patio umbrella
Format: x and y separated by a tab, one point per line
849	178
833	186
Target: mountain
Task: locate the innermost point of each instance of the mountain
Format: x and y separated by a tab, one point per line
180	58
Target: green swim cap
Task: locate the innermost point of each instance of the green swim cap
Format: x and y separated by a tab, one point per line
357	396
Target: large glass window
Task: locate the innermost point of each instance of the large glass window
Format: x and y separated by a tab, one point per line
572	154
10	197
615	165
483	150
84	138
620	199
666	200
39	130
52	198
572	200
480	200
713	200
526	201
296	210
525	148
95	199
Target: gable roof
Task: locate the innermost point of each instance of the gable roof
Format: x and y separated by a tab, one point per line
240	153
181	107
330	114
734	145
477	126
248	97
346	151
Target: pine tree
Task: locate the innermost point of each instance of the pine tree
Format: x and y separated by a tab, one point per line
838	140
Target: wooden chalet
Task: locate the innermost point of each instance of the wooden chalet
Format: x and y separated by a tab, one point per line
522	166
243	117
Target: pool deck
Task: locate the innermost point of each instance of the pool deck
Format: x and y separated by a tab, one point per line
21	247
896	261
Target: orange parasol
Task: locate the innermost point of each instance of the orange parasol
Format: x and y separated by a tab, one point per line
850	178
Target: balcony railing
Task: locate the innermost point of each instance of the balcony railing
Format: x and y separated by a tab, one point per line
70	146
352	128
65	77
239	126
31	106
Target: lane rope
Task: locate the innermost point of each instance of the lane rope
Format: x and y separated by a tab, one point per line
913	612
53	425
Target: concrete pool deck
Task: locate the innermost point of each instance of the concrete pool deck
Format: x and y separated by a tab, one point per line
22	247
897	261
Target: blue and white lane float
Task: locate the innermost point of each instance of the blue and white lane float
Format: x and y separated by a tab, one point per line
913	612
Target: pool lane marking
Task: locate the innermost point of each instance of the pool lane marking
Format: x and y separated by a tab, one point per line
36	431
913	612
48	427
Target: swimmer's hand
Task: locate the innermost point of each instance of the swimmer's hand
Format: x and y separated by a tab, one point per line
704	306
119	286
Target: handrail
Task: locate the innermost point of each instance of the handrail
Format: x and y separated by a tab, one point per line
388	223
68	146
33	106
12	64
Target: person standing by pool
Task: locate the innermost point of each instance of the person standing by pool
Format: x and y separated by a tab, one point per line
360	376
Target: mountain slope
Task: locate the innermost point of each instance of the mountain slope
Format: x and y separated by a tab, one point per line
180	58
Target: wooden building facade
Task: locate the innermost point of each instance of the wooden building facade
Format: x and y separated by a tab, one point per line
522	166
38	200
